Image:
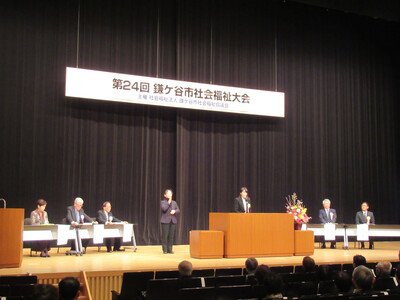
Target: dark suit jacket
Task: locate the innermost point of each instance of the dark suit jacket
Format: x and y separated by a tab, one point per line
102	219
71	215
238	204
323	218
166	208
361	219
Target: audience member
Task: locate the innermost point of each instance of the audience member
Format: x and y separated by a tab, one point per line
260	273
251	265
383	279
363	280
68	288
324	272
359	260
343	282
273	285
396	290
45	292
308	264
383	269
185	269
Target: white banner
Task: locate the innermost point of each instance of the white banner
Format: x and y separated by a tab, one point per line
90	84
329	231
362	232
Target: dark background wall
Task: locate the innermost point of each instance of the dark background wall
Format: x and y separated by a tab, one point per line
339	139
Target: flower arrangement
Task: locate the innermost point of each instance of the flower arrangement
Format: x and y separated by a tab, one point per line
295	207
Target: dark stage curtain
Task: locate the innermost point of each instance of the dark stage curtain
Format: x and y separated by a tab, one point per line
338	140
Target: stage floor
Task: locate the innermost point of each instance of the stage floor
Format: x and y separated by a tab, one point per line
152	258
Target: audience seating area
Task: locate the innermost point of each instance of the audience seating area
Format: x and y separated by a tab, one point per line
233	283
22	287
17	287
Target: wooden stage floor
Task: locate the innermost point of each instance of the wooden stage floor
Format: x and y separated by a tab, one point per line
151	258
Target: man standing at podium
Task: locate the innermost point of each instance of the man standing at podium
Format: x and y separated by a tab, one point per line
365	217
242	203
327	215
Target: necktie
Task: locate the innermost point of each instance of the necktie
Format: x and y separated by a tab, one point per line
77	216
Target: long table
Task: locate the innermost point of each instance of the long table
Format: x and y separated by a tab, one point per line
350	230
62	233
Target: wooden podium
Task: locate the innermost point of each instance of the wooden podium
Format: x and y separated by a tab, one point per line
206	244
11	231
255	234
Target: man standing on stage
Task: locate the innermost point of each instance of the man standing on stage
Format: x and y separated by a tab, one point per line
327	215
169	210
365	217
242	203
105	216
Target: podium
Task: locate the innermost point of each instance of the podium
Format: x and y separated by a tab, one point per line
255	234
11	231
206	244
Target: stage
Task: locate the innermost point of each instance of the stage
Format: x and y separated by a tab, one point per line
104	270
152	258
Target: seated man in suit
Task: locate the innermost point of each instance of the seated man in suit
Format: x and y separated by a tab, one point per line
75	216
242	203
365	217
327	215
105	216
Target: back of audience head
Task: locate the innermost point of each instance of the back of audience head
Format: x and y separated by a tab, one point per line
260	273
273	283
45	292
343	282
68	288
308	264
363	278
383	269
359	260
251	265
324	272
185	268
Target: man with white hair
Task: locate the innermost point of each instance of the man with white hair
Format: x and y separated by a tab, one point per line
75	216
327	215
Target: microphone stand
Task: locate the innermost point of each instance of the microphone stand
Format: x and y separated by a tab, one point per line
5	203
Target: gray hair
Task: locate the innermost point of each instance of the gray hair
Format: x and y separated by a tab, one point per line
326	200
78	200
363	278
383	268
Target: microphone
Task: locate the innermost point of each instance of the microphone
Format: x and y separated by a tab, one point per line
82	218
5	203
110	218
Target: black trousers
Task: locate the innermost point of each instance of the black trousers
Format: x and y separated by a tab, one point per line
109	243
167	236
371	243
